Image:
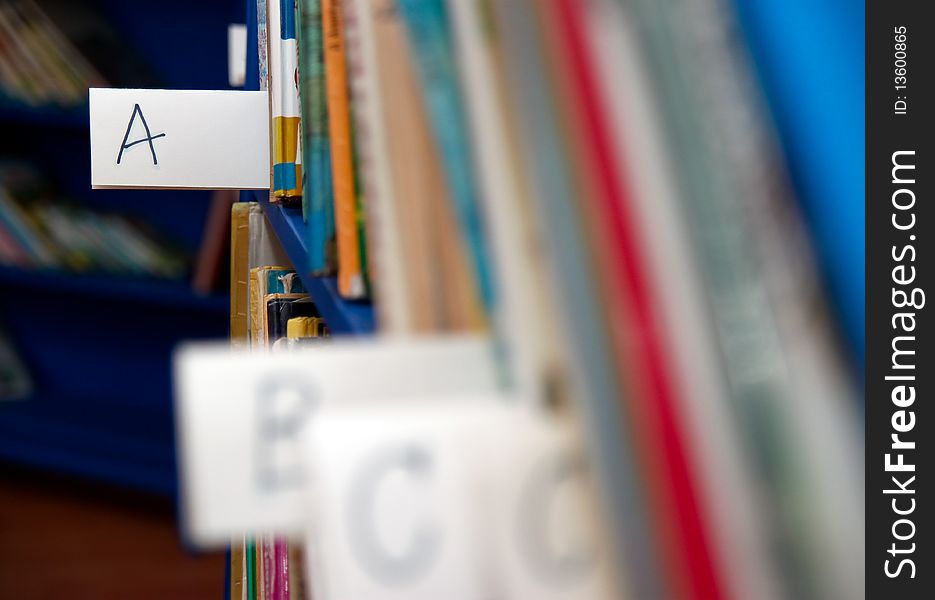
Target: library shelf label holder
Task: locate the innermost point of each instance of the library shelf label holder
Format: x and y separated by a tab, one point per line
179	139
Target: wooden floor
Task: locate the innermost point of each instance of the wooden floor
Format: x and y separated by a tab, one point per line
62	538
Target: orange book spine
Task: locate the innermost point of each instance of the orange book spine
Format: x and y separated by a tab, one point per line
350	276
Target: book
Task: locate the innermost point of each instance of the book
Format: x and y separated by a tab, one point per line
237	573
532	354
594	386
282	307
728	169
240	273
432	49
681	527
258	281
262	47
264	251
281	570
739	523
283	85
250	551
428	283
384	259
346	210
44	230
317	194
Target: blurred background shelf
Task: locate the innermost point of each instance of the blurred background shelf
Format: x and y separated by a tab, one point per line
79	436
343	316
46	116
147	291
98	347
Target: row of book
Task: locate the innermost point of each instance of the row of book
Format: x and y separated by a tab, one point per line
313	62
598	185
270	308
38	63
39	230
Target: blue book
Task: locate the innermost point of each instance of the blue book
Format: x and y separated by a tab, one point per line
825	147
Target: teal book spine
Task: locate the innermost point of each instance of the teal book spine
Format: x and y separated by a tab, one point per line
279	281
431	43
317	198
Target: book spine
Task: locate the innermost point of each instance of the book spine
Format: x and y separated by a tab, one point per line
385	268
284	92
594	375
682	525
317	200
350	272
17	223
430	40
262	33
237	574
251	568
256	324
239	273
281	586
523	302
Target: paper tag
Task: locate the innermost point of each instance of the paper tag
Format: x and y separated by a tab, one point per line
391	502
206	139
240	416
474	500
542	515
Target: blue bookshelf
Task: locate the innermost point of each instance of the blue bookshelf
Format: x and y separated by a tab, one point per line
98	347
45	116
342	316
80	437
144	291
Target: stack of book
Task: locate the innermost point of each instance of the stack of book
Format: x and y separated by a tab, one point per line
597	185
40	230
39	65
270	308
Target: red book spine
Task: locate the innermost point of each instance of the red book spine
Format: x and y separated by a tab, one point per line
686	546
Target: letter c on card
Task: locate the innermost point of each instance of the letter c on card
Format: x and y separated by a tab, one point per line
550	564
415	561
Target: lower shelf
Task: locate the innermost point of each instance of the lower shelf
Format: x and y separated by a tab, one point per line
154	292
343	316
124	445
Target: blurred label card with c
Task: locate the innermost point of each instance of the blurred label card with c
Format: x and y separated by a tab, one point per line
183	139
477	499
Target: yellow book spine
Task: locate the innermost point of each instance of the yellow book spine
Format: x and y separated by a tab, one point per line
255	325
237	569
240	230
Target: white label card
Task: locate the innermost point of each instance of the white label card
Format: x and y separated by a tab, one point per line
468	501
241	414
195	139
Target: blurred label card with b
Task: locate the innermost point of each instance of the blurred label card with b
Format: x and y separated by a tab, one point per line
183	139
241	415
